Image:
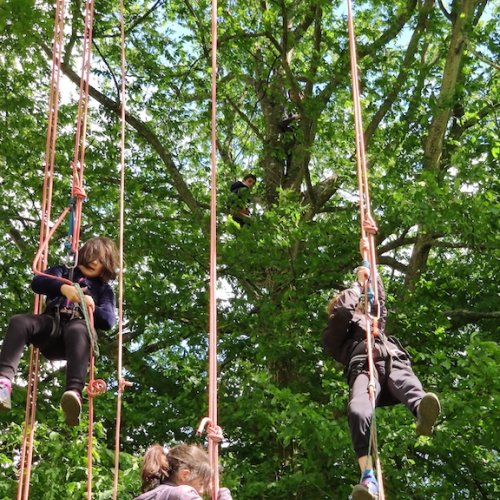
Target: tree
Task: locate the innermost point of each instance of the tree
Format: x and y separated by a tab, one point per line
429	90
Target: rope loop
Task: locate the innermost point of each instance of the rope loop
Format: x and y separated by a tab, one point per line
124	383
96	387
214	432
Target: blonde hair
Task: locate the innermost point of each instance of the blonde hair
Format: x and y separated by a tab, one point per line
331	304
159	465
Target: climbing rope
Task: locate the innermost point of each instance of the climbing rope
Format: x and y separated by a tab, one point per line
368	231
34	364
214	432
47	230
122	383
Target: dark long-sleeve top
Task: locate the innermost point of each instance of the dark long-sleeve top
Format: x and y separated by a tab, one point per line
236	186
102	293
350	339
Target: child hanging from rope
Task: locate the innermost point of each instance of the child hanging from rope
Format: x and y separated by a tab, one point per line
182	473
345	340
61	331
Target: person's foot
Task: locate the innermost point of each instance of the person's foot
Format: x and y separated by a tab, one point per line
5	392
71	404
427	413
367	489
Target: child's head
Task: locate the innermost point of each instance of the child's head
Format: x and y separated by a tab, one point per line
250	180
331	304
104	251
182	464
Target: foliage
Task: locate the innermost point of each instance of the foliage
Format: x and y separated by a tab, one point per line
284	112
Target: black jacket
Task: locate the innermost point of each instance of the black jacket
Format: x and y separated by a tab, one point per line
345	333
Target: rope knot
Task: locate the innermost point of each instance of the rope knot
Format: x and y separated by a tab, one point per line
96	387
214	432
124	383
79	192
370	226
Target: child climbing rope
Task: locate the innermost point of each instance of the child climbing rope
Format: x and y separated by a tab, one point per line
61	331
345	340
241	199
182	473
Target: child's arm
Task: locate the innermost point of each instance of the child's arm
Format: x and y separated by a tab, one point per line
104	312
48	286
224	494
337	336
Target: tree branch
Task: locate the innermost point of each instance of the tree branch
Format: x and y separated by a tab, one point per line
391	32
472	316
145	132
403	72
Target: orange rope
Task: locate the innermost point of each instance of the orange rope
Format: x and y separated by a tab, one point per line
81	124
214	432
368	231
95	387
213	445
46	233
122	382
50	145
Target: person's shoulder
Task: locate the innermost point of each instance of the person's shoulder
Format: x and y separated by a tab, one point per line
57	270
170	492
238	185
186	492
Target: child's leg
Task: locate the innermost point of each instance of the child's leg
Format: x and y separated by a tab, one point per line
360	415
404	384
23	329
77	345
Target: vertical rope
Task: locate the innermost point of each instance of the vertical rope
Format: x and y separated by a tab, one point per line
122	382
368	231
46	232
50	145
213	445
81	124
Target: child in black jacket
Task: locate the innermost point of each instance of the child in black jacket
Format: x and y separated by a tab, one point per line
345	340
61	332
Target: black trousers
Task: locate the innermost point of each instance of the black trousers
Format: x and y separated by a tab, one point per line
57	340
393	381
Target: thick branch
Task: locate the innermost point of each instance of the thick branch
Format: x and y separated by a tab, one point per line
391	32
391	262
145	132
434	142
472	316
403	72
